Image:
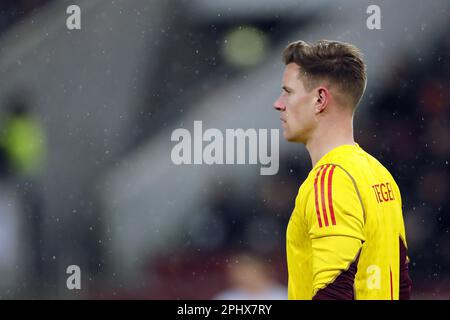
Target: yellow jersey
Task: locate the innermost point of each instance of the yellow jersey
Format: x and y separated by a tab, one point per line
346	235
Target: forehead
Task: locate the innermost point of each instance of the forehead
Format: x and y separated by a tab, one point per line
291	73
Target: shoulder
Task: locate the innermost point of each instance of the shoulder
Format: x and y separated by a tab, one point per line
357	164
335	201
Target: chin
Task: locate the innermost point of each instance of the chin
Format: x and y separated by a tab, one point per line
289	137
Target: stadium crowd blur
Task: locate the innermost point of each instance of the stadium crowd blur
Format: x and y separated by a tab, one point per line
13	10
405	126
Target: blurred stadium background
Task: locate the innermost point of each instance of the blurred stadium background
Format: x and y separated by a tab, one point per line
86	118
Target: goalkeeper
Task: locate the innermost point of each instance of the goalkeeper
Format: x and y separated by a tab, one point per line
346	236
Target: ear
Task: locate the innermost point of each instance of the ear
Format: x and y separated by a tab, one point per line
322	99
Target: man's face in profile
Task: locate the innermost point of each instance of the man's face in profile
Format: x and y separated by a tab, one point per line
296	106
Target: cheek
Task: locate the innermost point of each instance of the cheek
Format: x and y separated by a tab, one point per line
296	106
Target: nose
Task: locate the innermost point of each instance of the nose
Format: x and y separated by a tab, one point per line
279	105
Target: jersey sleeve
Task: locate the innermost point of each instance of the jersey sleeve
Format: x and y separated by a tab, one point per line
336	230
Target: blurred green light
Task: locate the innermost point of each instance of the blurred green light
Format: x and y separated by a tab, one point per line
245	46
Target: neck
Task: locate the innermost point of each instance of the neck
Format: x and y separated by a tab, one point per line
329	136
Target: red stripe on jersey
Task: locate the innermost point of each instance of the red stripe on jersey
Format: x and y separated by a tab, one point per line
330	195
322	189
392	290
316	197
